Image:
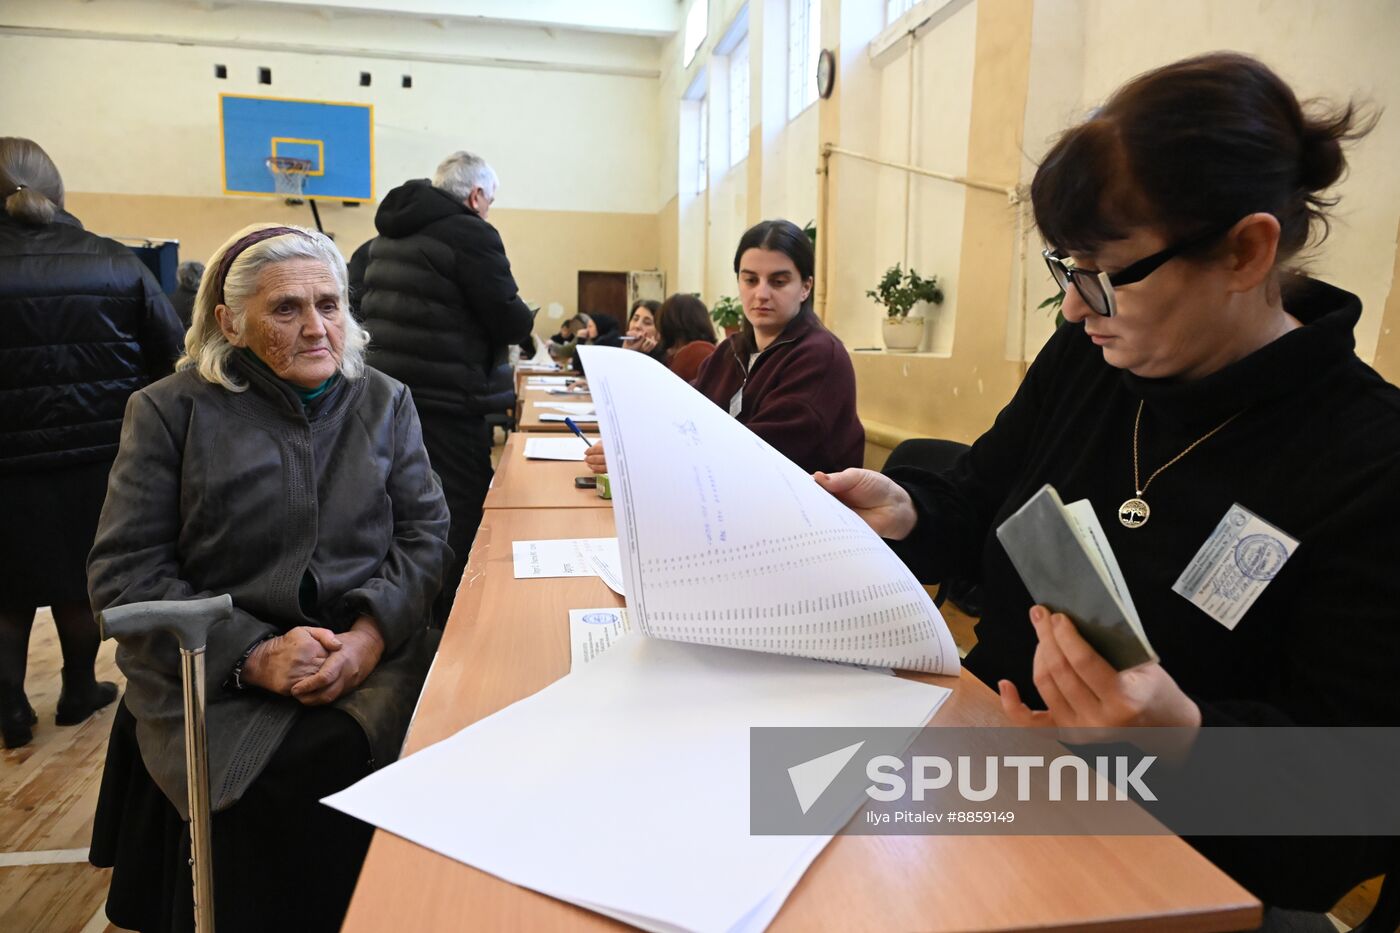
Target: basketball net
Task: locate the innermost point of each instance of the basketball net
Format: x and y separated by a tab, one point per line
288	175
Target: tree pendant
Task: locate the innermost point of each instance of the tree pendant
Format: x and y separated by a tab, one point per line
1133	513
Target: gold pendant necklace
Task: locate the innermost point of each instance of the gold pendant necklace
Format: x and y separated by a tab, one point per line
1134	512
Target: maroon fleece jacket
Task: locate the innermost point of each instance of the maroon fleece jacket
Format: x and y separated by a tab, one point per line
799	396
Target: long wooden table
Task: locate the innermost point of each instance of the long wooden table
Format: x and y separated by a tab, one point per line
529	421
539	484
508	639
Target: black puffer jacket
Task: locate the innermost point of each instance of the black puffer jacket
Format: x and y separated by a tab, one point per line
82	325
438	299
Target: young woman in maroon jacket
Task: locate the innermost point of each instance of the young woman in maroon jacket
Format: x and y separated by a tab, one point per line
784	376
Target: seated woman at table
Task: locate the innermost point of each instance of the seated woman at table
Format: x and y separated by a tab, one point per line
276	467
783	375
687	334
641	329
1193	373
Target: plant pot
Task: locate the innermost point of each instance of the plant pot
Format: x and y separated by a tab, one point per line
904	335
731	329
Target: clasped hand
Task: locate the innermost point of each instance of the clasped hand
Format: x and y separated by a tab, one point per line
315	665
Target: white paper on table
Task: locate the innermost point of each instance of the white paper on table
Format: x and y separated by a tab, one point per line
551	416
547	380
554	448
722	536
557	391
607	564
668	722
562	557
593	631
569	408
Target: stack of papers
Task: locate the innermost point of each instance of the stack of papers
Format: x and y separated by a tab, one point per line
741	571
661	730
555	448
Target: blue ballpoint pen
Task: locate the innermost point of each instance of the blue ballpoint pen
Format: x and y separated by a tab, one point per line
569	422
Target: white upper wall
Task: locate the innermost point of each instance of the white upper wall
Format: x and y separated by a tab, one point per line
636	17
566	118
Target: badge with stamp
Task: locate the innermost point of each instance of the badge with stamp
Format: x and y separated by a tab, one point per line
1239	559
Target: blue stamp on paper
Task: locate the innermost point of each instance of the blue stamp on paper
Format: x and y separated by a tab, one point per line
600	618
1260	557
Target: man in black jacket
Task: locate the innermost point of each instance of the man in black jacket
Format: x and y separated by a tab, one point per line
441	306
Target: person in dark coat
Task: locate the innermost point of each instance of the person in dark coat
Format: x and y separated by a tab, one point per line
186	287
83	324
440	300
277	468
1196	372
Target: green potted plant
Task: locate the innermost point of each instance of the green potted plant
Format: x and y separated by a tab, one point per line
727	314
899	292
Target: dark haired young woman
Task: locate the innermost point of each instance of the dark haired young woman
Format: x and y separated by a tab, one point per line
1195	373
687	334
784	376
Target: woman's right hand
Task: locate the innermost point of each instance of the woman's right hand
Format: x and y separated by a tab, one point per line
595	458
882	503
280	662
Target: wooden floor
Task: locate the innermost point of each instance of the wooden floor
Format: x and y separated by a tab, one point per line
48	790
47	793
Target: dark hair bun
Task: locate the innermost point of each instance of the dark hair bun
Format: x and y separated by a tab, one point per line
1321	163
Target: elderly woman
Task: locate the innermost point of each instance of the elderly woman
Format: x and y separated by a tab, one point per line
1194	374
276	467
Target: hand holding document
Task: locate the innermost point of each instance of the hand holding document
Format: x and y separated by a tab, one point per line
1063	557
724	541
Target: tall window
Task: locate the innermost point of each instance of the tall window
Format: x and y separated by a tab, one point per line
739	102
697	24
804	45
894	9
702	156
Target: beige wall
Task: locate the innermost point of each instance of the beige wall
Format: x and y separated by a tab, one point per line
546	248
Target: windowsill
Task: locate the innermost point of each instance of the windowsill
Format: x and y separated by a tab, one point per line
922	354
735	165
910	21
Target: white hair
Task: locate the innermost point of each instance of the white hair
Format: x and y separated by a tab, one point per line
207	350
462	173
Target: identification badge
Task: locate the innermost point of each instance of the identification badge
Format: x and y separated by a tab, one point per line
1239	559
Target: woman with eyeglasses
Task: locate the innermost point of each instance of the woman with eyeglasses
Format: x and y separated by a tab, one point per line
1195	373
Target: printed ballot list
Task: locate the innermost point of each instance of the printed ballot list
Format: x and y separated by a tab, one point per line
724	541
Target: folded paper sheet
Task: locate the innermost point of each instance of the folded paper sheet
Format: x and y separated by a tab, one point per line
664	727
725	541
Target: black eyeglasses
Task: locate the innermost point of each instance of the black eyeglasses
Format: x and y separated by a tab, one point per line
1096	288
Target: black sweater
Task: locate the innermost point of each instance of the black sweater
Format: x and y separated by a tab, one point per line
1316	453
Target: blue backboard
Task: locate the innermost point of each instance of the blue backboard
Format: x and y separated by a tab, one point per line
338	139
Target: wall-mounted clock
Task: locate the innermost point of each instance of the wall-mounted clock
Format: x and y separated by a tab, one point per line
826	73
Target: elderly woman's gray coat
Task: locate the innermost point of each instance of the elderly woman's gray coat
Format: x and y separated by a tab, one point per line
245	493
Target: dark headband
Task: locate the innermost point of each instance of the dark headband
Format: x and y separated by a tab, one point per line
233	252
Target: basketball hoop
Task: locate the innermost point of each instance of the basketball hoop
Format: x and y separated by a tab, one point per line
289	176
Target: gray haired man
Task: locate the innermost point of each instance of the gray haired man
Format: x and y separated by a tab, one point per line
437	292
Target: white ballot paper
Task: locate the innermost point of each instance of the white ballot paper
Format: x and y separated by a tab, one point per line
564	557
569	408
593	631
555	448
668	724
725	541
590	418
